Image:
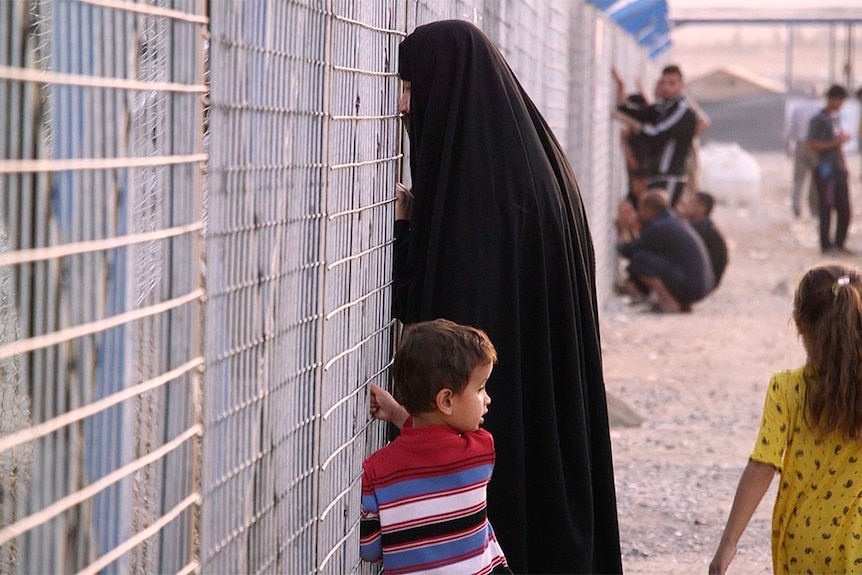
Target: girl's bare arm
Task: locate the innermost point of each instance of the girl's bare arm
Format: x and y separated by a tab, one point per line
752	486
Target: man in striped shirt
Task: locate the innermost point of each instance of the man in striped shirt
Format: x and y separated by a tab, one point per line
424	494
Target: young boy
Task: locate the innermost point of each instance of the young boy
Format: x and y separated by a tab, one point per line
424	494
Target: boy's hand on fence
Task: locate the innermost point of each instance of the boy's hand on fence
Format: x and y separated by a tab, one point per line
384	407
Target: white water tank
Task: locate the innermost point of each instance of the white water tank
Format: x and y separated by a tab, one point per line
729	173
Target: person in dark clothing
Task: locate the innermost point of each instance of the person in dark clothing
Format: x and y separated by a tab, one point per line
667	128
826	138
668	260
698	214
498	239
627	223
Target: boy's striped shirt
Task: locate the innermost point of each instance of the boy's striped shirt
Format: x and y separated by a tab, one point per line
423	503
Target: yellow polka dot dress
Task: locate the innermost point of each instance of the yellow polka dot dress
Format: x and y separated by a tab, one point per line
817	520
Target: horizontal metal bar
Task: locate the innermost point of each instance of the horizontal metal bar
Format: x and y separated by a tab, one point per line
15	529
360	209
357	255
381	117
356	478
42	429
49	339
357	345
141	536
243	169
249	522
81	80
359	433
357	164
365	72
369	26
339	544
299	530
194	566
361	389
149	10
74	164
354	302
40	254
232	473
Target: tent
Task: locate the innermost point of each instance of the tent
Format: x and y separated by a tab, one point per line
729	83
744	107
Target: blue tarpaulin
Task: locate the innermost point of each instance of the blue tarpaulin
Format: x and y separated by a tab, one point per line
646	20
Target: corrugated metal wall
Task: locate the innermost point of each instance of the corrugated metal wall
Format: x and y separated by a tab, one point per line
100	194
195	239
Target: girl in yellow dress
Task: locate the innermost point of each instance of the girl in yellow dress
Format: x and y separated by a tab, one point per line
811	434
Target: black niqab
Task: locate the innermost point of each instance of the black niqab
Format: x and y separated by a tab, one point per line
499	240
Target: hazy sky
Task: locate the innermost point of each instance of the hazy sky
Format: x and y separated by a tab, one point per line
763	4
762	48
699	34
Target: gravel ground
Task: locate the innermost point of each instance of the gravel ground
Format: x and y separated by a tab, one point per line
698	380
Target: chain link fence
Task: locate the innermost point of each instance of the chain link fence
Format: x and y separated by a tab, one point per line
196	208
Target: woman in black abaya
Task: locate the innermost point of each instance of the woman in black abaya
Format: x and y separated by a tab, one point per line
499	240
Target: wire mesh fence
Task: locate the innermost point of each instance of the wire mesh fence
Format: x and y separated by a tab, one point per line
196	209
101	215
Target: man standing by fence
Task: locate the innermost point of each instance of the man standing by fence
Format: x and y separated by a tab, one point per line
668	128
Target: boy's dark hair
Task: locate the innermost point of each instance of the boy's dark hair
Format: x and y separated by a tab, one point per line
836	91
706	200
435	355
672	69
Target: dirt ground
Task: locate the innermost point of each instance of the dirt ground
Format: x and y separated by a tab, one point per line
698	381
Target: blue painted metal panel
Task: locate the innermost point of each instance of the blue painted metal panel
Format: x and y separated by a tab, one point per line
645	20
